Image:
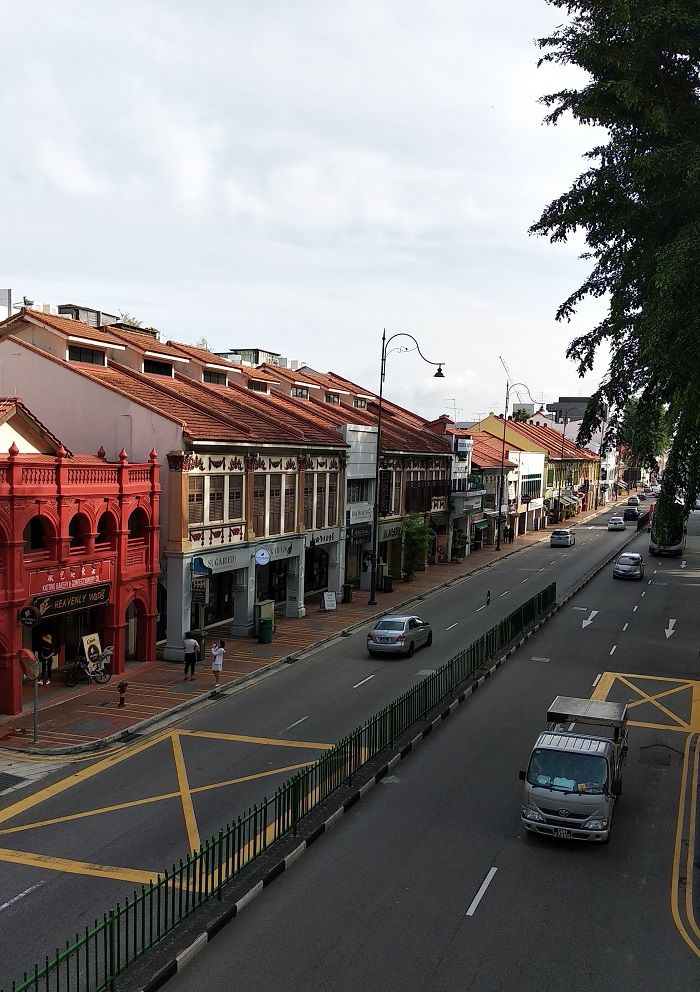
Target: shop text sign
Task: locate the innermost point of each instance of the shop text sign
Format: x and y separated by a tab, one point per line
65	578
70	602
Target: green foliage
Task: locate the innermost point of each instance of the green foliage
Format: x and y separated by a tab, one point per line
522	416
644	434
638	203
415	542
126	318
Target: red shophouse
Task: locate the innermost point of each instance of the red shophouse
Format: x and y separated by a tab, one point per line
78	546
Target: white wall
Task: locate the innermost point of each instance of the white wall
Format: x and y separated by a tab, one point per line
11	431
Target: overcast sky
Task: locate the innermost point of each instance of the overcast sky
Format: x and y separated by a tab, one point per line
296	176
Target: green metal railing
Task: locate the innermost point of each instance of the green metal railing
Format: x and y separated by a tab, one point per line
93	961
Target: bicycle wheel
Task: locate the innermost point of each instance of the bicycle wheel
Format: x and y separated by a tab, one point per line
71	674
102	677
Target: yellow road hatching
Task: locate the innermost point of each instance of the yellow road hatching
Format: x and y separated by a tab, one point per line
685	694
184	793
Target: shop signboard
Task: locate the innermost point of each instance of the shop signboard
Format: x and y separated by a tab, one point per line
464	445
359	534
70	602
200	589
319	538
360	513
329	601
222	561
535	504
65	578
29	616
390	532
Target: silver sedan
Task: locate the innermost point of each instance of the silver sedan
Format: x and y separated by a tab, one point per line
629	566
399	635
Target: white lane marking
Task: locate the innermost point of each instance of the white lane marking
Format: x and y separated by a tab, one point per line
480	609
15	899
649	582
597	680
669	630
589	619
683	564
505	593
626	626
358	684
482	889
644	593
655	571
635	609
613	649
553	562
452	625
293	725
583	609
522	580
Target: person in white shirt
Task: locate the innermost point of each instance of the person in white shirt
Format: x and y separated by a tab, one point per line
217	662
191	647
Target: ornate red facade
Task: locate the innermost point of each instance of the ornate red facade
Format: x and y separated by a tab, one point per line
78	543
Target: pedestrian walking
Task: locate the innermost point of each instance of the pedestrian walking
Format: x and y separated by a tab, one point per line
217	662
191	646
46	653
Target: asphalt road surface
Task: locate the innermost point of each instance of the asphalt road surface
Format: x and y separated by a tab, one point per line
429	883
73	844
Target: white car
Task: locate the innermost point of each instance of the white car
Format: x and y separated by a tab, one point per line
616	523
562	539
633	501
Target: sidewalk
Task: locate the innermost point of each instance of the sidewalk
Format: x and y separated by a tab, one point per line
88	718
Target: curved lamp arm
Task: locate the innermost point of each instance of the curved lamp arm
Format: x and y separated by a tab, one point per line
403	334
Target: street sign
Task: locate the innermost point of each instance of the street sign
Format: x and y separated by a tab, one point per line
488	596
200	589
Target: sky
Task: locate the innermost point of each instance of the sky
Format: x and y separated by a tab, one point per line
298	176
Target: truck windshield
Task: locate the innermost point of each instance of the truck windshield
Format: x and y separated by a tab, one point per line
567	772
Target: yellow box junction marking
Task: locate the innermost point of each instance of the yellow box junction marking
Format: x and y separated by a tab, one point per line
678	724
184	793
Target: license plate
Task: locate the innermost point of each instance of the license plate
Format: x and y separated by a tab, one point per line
562	832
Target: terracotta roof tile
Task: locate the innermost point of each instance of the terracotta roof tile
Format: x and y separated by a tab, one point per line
64	325
144	342
209	358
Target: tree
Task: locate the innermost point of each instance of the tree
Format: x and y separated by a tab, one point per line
522	416
415	542
643	434
126	318
639	206
203	344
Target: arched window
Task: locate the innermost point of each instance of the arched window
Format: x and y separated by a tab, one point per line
78	530
138	525
106	530
36	536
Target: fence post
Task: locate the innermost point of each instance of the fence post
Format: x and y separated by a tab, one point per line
112	951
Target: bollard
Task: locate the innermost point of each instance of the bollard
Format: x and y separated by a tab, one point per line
122	687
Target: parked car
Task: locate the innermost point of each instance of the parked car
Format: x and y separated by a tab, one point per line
633	501
628	566
642	496
616	523
631	513
399	635
562	538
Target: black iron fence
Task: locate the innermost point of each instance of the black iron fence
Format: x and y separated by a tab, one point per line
94	959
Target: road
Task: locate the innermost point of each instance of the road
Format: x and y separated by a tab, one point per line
83	838
387	899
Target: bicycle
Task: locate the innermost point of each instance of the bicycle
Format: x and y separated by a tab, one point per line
96	670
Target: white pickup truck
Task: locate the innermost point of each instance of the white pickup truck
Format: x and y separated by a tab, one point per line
574	774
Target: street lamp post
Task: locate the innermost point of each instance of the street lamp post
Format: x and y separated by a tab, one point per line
372	601
509	386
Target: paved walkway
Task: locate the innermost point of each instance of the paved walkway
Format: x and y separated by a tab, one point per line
89	717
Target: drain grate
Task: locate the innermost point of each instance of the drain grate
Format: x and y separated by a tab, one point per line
7	780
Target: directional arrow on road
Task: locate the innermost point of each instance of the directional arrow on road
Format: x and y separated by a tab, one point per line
669	630
590	618
683	564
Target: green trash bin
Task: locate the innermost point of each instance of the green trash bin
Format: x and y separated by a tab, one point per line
388	583
265	630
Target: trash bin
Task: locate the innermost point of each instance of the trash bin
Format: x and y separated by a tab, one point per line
265	630
347	592
388	583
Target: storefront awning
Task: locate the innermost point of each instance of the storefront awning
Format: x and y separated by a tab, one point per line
568	500
481	524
